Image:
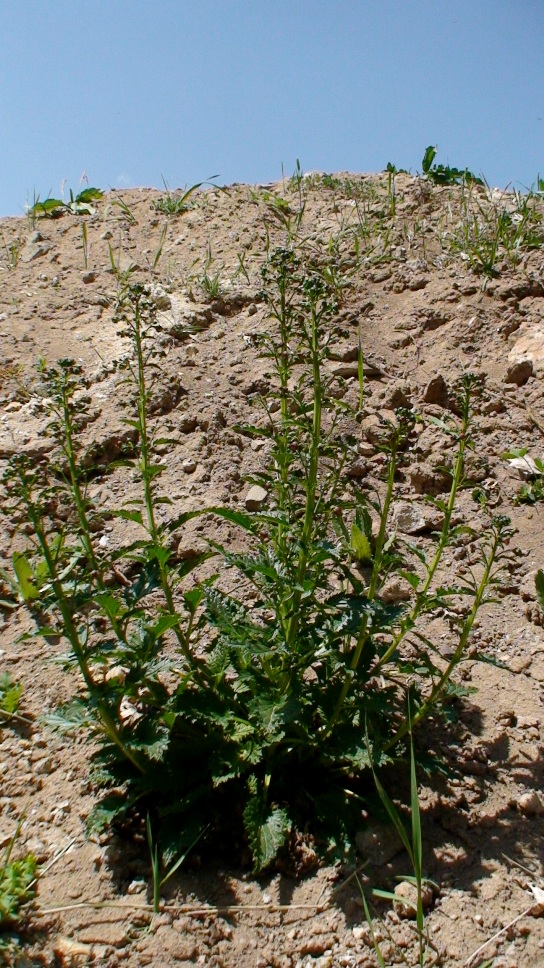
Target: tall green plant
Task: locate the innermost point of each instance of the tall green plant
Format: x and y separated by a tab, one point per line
266	727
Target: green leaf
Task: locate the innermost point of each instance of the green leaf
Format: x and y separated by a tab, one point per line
428	158
539	584
24	573
10	693
266	833
411	577
128	515
88	194
360	545
163	624
49	205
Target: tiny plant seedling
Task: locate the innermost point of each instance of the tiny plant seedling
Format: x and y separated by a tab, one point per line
80	204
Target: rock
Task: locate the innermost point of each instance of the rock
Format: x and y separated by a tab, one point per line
397	396
395	590
191	547
406	906
437	392
409	518
72	954
161	298
184	317
112	933
33	251
530	804
426	479
87	277
189	465
378	843
530	346
519	372
255	498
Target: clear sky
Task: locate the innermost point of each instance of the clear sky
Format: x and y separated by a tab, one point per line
129	91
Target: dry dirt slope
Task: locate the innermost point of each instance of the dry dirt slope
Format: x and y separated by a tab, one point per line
426	315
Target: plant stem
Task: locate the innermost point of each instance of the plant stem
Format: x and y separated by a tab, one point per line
439	686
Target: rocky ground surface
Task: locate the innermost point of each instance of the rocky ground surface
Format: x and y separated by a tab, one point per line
427	313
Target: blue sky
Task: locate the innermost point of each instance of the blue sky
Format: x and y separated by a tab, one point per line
129	91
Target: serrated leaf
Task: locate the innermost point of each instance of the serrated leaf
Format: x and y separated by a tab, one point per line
128	515
360	545
266	834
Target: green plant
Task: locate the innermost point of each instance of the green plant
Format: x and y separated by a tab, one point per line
532	490
10	694
81	204
262	732
444	174
85	243
174	203
413	844
12	250
17	880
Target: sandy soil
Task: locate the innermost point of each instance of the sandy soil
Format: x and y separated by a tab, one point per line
426	317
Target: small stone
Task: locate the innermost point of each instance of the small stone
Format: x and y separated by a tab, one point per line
44	767
189	466
409	518
437	392
406	906
395	590
109	933
161	298
255	498
360	934
530	804
72	954
519	372
378	843
87	277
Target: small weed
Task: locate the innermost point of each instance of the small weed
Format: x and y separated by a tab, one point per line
17	880
445	175
176	203
532	490
413	844
81	204
10	694
12	251
126	211
491	231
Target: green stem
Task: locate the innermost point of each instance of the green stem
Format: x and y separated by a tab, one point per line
457	478
72	635
439	686
311	482
363	635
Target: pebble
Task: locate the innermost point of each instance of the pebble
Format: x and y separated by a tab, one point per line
255	498
530	804
189	465
519	372
406	906
437	392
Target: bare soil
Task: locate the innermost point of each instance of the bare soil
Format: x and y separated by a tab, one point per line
426	317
